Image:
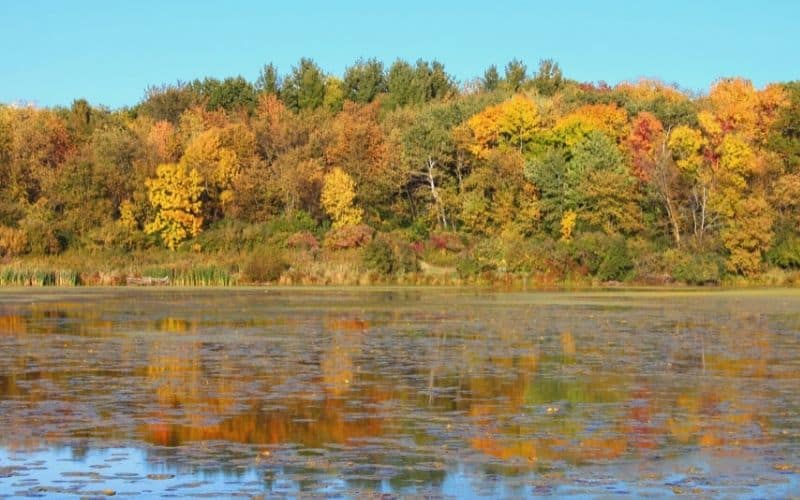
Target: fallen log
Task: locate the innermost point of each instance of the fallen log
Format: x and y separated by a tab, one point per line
146	281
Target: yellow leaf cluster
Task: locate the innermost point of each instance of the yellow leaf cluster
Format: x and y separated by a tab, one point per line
735	106
648	90
609	119
513	123
568	221
127	217
338	195
13	241
175	194
747	235
687	145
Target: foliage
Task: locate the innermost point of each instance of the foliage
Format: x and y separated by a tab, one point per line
785	252
349	237
514	172
175	193
264	266
699	269
617	263
338	194
13	242
379	256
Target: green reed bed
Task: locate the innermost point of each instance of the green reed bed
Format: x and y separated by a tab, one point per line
195	276
23	276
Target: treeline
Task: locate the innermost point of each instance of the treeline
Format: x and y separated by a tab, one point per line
517	172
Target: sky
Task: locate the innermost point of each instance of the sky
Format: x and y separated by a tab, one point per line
109	52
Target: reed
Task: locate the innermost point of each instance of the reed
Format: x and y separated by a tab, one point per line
194	276
35	276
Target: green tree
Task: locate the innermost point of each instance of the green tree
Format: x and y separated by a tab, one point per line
548	79
516	75
304	88
167	102
269	81
491	79
364	81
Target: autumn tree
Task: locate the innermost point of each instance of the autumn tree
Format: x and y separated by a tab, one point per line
514	123
359	148
175	195
589	179
654	167
338	196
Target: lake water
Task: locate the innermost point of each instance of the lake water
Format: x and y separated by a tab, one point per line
353	392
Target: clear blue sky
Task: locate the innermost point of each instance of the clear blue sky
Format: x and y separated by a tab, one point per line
109	51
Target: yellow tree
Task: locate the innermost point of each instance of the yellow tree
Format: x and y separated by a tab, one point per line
687	146
512	124
220	155
748	234
338	194
608	119
175	195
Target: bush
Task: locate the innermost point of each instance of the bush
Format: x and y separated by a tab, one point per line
451	242
785	253
303	240
388	254
379	256
43	239
405	256
13	242
349	237
419	229
616	264
468	266
264	266
700	269
588	250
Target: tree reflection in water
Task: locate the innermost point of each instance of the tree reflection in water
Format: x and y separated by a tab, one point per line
404	386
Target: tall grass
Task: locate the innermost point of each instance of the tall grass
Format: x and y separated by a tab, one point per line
29	276
194	276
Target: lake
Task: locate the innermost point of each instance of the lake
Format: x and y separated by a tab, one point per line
354	392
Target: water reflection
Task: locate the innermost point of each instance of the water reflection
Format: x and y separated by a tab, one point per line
409	391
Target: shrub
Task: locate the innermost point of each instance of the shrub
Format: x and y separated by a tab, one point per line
616	264
13	241
264	266
447	241
419	229
588	250
699	269
43	239
303	240
349	237
379	256
785	253
468	266
405	256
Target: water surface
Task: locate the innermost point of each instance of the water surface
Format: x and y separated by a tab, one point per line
262	392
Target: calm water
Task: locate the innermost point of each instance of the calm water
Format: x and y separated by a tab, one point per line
354	392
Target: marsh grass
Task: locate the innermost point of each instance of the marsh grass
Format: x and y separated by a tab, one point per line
38	277
194	276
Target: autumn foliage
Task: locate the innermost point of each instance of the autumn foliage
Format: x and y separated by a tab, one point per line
535	174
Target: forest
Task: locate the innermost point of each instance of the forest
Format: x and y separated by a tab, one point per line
400	174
